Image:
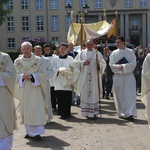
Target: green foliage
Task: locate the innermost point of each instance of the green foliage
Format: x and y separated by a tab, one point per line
13	55
40	41
36	41
53	46
3	11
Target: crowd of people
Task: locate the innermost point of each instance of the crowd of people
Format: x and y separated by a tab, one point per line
38	84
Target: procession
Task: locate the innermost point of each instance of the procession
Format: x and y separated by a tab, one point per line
29	94
87	90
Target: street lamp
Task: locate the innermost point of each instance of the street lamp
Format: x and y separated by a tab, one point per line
104	18
116	13
116	22
85	9
104	14
68	9
70	12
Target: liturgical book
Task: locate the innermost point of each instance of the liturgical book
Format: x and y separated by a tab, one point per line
122	61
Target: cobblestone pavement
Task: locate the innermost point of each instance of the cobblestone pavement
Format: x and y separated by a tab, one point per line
108	132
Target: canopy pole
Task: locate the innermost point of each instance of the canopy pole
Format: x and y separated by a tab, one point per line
98	71
81	23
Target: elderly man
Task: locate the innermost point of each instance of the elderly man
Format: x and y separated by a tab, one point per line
7	111
31	79
49	72
91	64
123	63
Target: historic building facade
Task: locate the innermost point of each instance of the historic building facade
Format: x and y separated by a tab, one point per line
48	19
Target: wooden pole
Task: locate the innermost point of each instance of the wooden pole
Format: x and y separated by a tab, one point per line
104	18
116	22
81	33
81	30
81	22
98	71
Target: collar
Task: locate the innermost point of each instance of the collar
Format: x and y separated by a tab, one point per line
70	51
47	55
63	56
121	49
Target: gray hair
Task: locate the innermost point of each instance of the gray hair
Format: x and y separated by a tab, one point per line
90	40
26	43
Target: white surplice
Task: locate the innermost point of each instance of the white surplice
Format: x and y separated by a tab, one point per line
63	79
124	85
49	72
145	93
87	82
52	78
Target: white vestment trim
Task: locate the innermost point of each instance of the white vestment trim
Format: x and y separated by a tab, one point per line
147	109
6	143
2	83
37	81
20	81
34	130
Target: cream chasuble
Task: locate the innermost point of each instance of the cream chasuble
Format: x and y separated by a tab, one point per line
84	73
88	87
145	93
7	106
32	95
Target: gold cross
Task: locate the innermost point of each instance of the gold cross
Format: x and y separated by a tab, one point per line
26	69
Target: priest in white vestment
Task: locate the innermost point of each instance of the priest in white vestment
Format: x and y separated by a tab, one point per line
62	67
123	63
89	83
50	56
145	93
49	71
31	78
7	109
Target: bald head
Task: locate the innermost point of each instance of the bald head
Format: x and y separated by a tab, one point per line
89	45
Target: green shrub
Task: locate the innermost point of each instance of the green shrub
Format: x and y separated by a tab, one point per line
13	55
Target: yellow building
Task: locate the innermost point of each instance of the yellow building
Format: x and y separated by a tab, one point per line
48	19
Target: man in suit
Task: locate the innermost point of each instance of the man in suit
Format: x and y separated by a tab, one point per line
108	75
70	50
